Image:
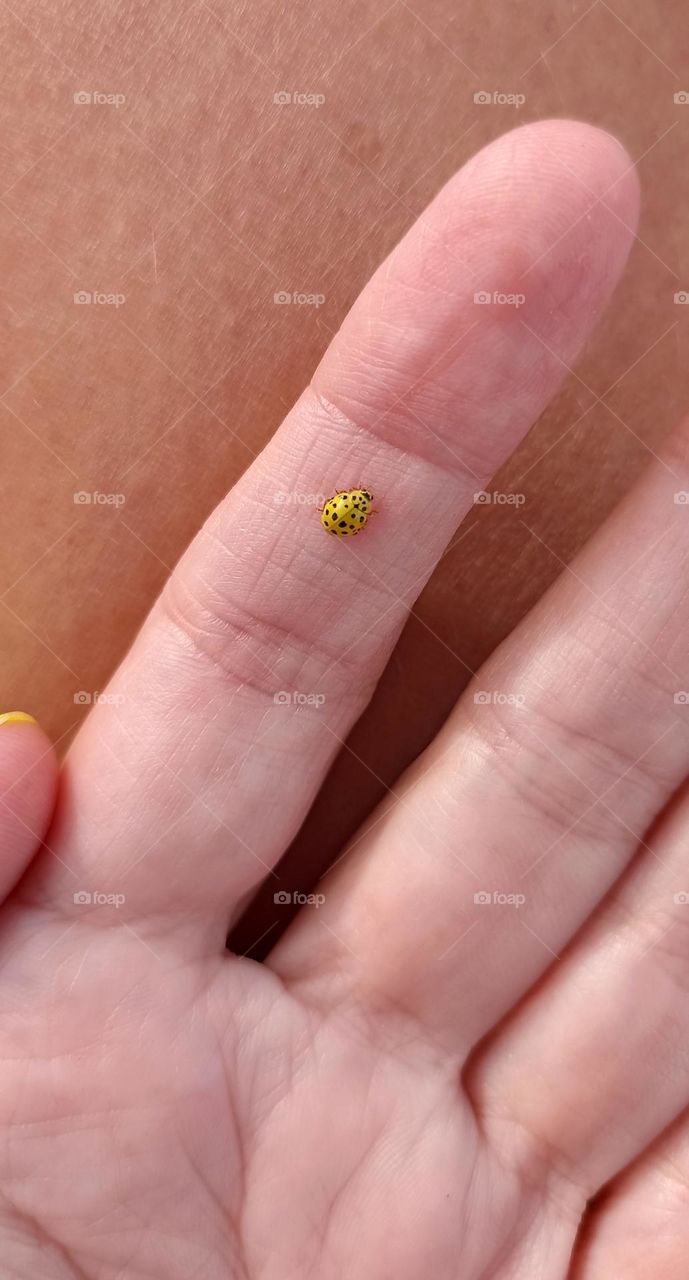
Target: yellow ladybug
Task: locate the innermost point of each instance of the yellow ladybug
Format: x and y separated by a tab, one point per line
347	512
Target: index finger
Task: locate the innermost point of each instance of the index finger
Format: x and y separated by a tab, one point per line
185	787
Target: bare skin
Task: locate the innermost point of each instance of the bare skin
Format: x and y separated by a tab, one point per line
431	1074
198	198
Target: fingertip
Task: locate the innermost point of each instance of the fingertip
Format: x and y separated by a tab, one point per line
585	143
597	159
490	296
556	175
597	183
28	784
571	192
28	767
17	717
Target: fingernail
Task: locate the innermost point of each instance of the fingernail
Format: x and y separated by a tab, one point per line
17	717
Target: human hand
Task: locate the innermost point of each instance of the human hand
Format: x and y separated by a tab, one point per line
418	1081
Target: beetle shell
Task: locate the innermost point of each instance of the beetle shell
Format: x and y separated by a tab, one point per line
346	513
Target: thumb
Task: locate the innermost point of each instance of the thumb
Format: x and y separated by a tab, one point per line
28	784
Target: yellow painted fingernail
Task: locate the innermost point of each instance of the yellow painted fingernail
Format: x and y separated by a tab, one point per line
17	717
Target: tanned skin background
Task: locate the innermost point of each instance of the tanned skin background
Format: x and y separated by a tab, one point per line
197	197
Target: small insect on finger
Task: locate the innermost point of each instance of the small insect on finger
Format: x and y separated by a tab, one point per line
346	512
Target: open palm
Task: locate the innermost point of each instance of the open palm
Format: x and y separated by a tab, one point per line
478	1020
